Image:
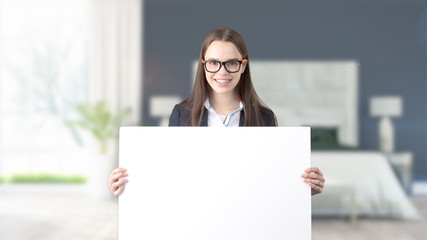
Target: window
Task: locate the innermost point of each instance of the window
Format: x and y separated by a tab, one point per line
43	75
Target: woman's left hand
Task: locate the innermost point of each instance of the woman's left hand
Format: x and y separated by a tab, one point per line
314	177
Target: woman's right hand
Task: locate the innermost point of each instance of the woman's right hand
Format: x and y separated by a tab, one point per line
117	180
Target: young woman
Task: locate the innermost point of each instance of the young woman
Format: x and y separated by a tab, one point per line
222	96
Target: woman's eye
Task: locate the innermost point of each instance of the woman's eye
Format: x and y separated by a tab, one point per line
213	63
232	64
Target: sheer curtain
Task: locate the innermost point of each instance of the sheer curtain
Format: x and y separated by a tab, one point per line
116	55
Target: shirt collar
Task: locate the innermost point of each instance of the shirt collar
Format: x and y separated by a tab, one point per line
209	107
207	104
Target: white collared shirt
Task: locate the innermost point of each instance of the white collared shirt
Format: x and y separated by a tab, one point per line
218	120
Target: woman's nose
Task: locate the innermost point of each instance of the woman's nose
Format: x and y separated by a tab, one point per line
222	70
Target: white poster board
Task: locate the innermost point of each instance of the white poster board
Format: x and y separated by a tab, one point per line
215	183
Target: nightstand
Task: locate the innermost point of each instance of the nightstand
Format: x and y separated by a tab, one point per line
402	165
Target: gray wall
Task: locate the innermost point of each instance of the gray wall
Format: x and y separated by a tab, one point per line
388	38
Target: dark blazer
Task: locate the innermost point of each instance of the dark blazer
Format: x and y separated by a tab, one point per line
181	114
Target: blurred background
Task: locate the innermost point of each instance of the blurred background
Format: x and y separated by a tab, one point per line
72	72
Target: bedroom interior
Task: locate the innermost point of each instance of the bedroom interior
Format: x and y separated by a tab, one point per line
324	96
329	61
339	67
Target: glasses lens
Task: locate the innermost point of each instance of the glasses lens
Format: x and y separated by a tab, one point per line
232	66
212	66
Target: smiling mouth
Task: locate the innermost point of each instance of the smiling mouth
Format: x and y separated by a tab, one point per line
222	80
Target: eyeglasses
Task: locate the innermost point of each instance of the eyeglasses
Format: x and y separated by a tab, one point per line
214	66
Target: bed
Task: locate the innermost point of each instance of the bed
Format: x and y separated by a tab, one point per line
324	96
360	183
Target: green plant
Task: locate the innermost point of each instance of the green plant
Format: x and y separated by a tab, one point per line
46	178
99	121
2	179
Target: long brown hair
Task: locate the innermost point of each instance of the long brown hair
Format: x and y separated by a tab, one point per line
252	104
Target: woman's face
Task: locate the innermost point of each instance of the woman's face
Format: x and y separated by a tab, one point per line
223	82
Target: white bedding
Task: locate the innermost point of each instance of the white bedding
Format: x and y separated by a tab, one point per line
360	182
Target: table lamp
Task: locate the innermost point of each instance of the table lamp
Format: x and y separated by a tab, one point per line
386	107
161	106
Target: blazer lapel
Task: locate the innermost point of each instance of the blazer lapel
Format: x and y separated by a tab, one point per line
205	118
242	119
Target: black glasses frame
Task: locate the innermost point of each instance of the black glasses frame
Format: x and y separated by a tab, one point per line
223	64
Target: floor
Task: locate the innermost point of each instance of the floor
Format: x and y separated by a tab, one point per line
67	212
378	229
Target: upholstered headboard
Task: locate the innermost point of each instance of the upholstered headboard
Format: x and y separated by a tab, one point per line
311	93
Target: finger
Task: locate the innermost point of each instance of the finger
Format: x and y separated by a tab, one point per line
313	175
119	183
307	172
112	189
315	182
313	172
117	170
113	178
116	176
317	176
316	188
310	169
119	190
313	169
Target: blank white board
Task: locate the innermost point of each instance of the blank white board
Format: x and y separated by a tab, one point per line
215	183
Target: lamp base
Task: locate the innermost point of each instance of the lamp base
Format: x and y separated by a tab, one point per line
386	135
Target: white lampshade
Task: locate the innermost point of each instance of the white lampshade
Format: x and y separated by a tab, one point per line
390	106
161	106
